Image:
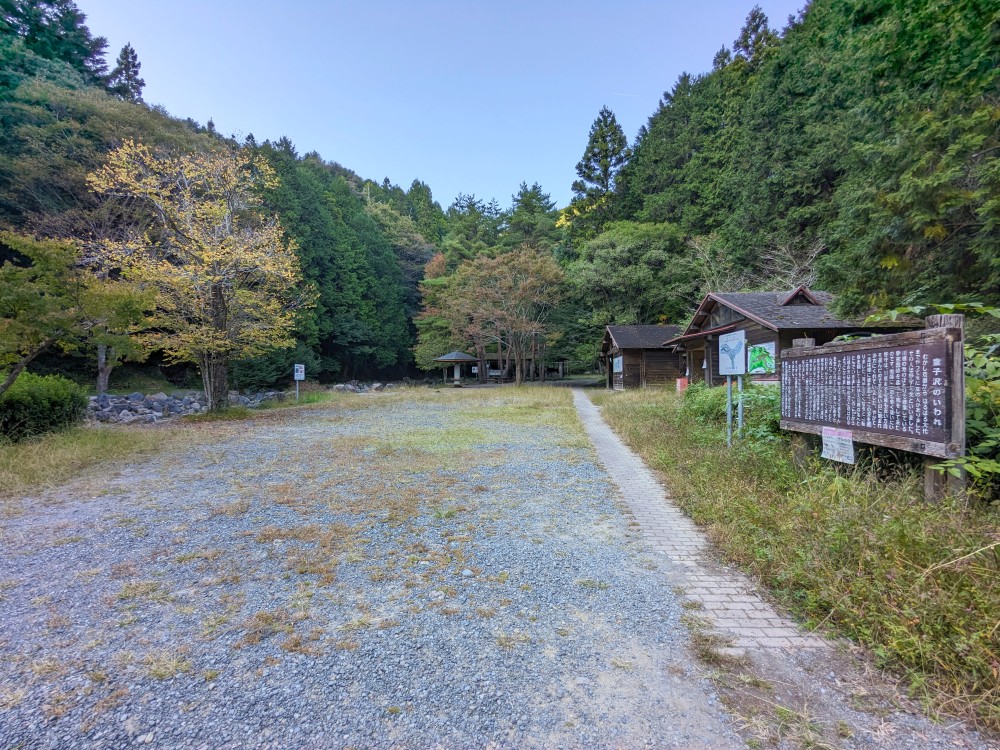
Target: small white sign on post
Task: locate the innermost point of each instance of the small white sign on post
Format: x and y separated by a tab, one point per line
838	445
733	353
300	374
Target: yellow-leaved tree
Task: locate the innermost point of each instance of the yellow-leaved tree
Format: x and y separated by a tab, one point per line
226	280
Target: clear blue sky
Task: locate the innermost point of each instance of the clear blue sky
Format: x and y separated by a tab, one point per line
469	96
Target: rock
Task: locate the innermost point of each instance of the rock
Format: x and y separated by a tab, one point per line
124	414
136	397
103	400
467	573
377	386
160	396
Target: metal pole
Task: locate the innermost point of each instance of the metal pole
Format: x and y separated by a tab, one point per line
296	390
729	410
739	408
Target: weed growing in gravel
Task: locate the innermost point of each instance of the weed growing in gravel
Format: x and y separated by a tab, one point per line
48	667
5	586
264	624
57	704
590	583
12	698
198	554
512	640
147	590
358	623
232	509
165	664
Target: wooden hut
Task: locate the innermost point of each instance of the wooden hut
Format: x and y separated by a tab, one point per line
635	356
770	319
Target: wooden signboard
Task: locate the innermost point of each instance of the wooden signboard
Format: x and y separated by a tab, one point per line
902	390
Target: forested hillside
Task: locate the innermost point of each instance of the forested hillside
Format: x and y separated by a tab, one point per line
857	147
62	112
855	150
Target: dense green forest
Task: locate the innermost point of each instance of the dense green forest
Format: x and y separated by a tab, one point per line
855	150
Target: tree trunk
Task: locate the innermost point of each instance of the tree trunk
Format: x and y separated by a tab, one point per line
518	353
105	364
215	378
25	361
541	362
483	366
215	364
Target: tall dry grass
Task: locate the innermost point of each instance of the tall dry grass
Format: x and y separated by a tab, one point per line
918	584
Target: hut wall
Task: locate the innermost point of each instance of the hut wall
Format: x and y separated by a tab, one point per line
660	367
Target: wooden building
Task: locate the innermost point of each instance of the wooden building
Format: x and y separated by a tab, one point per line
635	356
771	321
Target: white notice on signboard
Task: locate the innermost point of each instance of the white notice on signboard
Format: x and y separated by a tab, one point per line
732	353
300	372
838	445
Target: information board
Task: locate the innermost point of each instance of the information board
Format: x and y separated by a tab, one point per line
300	372
838	445
732	353
897	390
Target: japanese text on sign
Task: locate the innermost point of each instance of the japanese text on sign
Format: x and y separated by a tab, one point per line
902	391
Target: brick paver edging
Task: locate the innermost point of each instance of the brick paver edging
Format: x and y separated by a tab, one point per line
728	598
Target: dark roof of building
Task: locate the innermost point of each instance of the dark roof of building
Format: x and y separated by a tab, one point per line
800	308
776	309
456	357
639	337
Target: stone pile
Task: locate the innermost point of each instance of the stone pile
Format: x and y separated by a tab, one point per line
138	407
353	386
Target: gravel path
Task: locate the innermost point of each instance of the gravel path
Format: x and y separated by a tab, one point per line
415	570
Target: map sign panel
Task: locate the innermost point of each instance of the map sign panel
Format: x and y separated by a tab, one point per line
732	353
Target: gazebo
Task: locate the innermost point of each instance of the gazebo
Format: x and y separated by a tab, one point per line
456	358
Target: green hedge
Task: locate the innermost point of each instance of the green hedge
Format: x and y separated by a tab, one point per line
36	404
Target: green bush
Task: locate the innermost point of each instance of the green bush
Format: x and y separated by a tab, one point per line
273	368
761	408
705	404
37	404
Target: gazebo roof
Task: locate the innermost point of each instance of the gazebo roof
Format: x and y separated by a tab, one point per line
456	357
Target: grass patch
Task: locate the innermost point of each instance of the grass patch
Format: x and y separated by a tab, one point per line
165	664
233	413
918	584
51	459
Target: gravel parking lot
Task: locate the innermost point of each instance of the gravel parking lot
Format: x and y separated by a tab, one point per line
424	569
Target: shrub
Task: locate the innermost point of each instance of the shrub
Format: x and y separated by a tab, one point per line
761	408
37	404
705	404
